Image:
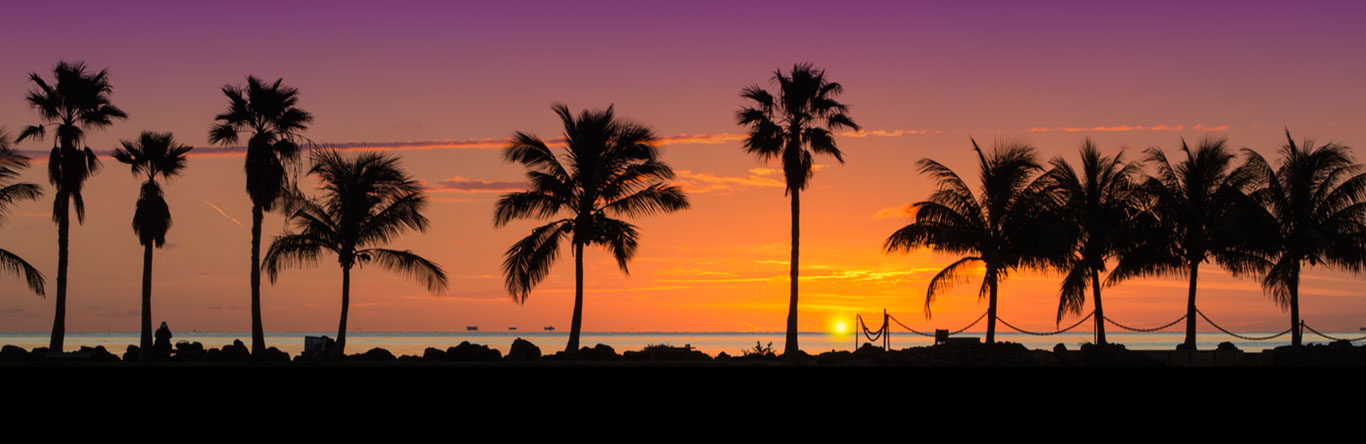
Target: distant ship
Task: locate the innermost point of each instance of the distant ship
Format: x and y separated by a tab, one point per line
550	329
512	328
472	328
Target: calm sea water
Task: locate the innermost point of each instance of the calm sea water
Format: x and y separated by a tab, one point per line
413	343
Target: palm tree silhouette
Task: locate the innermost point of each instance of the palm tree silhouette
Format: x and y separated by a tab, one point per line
786	128
1012	225
368	201
1204	214
77	101
1316	200
11	163
152	154
611	168
268	112
1105	206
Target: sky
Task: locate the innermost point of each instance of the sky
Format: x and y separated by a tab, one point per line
441	84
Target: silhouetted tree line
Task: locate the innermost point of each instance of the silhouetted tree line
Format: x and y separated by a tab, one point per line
1097	226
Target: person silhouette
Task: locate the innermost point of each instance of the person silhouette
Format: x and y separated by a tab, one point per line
162	346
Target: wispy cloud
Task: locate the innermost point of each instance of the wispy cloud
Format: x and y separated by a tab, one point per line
1126	128
224	213
694	182
882	133
906	210
459	184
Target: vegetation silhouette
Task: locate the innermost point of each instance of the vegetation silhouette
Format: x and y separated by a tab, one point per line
1013	224
76	101
269	113
1204	214
367	201
610	169
152	154
11	164
787	128
1106	209
1316	203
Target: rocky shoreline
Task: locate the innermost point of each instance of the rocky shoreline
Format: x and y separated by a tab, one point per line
524	353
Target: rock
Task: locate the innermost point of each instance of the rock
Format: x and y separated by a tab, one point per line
722	356
1227	346
99	354
666	353
273	355
12	353
523	350
600	352
189	352
433	354
131	354
467	352
373	355
1060	348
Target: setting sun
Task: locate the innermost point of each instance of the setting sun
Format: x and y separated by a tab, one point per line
841	327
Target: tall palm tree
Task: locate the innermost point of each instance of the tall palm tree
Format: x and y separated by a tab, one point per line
11	163
368	201
610	169
268	113
1204	214
151	155
788	128
1105	206
77	101
1013	224
1316	200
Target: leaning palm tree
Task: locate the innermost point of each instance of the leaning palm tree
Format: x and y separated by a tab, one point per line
268	113
1013	224
151	155
1317	202
368	201
1203	213
1105	206
610	169
789	128
11	163
77	101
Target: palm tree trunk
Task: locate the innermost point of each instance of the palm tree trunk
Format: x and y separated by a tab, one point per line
145	353
346	305
63	238
991	307
1190	307
1296	335
572	349
1100	312
791	347
258	334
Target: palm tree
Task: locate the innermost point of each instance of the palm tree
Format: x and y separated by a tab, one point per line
11	162
368	201
152	154
1013	224
610	169
787	128
1106	208
268	113
1316	200
77	101
1203	213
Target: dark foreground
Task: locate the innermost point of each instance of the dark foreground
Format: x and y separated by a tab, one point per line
524	353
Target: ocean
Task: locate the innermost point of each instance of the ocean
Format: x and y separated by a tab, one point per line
712	343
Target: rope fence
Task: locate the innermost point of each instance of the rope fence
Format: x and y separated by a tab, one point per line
884	332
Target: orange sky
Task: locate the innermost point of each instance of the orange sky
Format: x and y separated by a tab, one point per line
918	83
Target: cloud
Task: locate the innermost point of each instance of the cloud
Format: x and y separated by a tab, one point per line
883	133
1127	128
693	182
224	213
459	184
906	210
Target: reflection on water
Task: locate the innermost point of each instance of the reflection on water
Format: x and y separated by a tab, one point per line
413	343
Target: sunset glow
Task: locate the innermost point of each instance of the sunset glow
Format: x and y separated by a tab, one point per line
443	85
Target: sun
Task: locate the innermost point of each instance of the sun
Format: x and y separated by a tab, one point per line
841	327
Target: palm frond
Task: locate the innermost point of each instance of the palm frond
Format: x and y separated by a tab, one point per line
406	262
